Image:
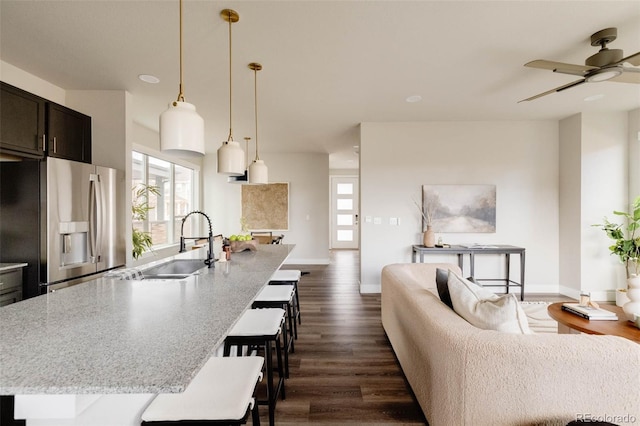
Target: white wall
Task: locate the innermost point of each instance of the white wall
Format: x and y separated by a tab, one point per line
520	158
634	154
308	177
29	82
594	181
570	209
605	187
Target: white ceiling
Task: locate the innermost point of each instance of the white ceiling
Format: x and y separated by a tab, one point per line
327	65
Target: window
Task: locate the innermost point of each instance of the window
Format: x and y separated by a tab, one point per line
175	198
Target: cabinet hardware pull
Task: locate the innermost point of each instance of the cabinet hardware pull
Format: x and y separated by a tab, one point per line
44	142
55	145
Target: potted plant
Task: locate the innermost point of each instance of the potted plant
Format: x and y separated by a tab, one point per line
139	209
626	239
627	247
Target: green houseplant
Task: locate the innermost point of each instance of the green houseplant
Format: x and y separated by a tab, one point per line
139	210
626	238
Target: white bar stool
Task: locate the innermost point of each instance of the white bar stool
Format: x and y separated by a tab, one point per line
221	393
291	277
280	296
261	328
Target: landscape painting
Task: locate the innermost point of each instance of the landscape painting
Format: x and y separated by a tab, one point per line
460	208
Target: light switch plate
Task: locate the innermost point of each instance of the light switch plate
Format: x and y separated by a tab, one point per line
377	220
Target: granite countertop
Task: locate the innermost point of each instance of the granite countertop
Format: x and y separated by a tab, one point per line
4	267
117	336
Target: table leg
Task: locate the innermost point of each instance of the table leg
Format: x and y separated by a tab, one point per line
471	264
522	275
413	255
507	265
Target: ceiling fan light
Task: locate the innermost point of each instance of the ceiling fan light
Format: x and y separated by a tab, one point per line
603	75
182	130
231	159
258	172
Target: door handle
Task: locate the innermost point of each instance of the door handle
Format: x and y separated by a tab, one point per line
356	221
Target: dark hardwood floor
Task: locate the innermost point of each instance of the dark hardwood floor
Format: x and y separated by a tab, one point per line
343	370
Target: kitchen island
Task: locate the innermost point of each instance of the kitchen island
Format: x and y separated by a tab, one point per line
111	336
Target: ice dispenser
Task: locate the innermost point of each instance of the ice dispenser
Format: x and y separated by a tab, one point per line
74	238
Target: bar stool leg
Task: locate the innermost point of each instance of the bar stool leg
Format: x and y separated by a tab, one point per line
281	369
297	303
270	399
285	337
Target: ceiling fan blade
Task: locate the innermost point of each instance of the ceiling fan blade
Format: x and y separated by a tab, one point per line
559	67
633	59
557	89
628	77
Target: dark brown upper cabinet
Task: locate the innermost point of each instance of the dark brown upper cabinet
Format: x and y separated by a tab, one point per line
68	133
22	120
31	126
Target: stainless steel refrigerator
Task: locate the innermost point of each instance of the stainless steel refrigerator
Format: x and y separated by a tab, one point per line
84	226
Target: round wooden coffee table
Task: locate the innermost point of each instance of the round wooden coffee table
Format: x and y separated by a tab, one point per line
621	327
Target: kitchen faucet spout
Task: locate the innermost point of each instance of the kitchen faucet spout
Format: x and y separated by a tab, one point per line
209	261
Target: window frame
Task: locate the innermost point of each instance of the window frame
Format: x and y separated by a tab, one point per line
148	152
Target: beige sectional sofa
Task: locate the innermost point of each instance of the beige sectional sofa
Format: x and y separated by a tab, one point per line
462	375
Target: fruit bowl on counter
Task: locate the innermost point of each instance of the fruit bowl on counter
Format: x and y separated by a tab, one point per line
242	243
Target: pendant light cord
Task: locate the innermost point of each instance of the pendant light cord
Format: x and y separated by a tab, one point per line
230	138
181	94
255	88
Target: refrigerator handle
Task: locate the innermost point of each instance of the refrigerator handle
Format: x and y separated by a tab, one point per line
100	216
93	182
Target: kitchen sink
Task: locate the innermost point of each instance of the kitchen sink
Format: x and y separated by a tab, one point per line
165	277
174	269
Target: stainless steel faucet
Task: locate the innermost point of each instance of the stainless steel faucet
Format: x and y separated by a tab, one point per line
209	261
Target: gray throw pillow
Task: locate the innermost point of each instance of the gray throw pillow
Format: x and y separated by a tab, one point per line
442	282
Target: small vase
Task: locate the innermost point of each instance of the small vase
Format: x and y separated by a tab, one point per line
633	293
429	237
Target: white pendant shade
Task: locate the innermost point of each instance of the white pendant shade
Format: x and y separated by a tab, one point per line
258	172
231	159
182	130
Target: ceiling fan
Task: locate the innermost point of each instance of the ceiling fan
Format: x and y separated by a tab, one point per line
606	65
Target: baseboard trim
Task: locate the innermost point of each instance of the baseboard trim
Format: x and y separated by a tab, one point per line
600	295
320	261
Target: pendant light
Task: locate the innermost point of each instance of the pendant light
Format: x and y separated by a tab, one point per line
258	172
230	155
181	128
244	178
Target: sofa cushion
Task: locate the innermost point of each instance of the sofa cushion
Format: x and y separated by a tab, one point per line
484	309
442	278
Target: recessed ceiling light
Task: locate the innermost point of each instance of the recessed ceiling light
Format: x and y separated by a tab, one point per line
414	98
148	78
594	97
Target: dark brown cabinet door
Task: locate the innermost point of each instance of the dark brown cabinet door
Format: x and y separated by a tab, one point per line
68	133
21	122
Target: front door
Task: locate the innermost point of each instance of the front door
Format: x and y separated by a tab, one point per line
344	213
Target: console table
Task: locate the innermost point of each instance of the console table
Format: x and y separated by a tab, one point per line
460	251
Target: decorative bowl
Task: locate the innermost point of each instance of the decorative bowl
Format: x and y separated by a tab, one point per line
238	246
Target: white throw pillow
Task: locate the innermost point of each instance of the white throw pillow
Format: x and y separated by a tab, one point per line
486	310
